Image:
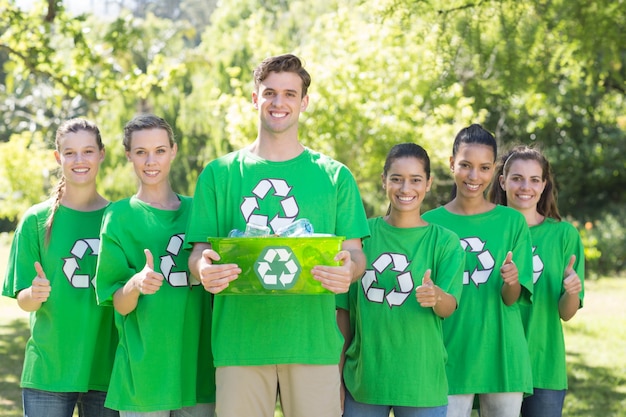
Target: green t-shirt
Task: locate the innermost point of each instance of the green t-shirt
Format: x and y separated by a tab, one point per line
162	361
397	356
72	340
487	349
554	242
240	188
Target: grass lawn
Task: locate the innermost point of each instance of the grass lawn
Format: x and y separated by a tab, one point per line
595	340
596	352
13	335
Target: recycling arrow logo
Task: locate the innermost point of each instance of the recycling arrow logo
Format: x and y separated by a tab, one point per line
175	278
486	263
537	266
277	188
70	264
277	268
399	265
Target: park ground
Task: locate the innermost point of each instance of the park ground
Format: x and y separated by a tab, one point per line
595	339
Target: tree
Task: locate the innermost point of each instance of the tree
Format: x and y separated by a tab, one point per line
548	73
26	168
545	73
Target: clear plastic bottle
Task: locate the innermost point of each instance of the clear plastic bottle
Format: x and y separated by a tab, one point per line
236	233
252	230
301	227
256	230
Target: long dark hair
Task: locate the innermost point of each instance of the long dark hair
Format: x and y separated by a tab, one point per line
547	204
474	134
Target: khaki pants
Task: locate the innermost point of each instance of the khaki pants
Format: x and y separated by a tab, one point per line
497	404
251	391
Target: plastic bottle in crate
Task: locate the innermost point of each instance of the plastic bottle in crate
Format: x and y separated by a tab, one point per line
301	227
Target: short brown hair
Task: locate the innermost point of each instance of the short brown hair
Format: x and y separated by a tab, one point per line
282	63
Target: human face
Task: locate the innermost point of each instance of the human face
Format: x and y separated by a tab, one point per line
279	102
523	184
151	155
406	185
473	168
79	156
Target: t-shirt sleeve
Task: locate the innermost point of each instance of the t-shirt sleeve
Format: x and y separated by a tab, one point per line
352	220
573	245
112	270
523	258
450	266
201	225
25	250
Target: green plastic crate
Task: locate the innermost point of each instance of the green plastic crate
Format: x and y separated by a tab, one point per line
276	265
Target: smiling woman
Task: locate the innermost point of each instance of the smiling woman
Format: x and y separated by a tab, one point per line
527	185
408	297
151	151
142	271
50	268
497	280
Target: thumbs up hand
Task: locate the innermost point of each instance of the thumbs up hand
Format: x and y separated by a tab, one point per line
427	294
148	281
508	270
571	280
511	289
40	287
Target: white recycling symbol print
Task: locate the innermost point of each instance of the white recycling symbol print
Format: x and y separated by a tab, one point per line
281	190
175	278
277	268
70	264
537	266
404	279
485	260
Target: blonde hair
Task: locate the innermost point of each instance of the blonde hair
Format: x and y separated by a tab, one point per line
69	126
144	122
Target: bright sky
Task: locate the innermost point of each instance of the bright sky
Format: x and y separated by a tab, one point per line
97	7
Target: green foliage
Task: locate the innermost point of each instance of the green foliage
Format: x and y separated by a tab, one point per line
364	102
154	50
550	74
594	342
26	165
605	244
57	48
360	104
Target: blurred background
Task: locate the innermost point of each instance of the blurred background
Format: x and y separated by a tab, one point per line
549	73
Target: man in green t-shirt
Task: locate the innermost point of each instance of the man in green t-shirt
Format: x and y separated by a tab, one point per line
263	344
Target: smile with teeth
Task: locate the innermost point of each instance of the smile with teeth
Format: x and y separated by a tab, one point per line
472	187
524	196
151	173
405	199
80	170
278	115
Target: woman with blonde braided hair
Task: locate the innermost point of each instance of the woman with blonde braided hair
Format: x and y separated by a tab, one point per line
69	356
